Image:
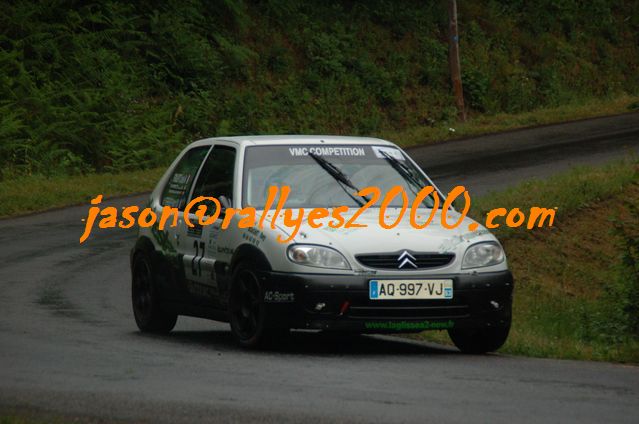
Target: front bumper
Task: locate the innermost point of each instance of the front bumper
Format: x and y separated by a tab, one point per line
294	300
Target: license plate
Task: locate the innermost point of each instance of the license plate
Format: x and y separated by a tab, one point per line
410	289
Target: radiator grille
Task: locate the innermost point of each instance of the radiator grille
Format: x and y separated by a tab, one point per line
405	262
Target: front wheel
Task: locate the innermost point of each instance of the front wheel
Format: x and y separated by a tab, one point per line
247	313
480	340
246	308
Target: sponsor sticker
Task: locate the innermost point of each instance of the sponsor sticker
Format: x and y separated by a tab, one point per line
278	297
327	151
409	325
390	151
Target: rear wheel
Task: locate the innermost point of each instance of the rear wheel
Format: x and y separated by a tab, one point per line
149	316
479	340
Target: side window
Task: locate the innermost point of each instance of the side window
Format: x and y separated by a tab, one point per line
216	178
177	189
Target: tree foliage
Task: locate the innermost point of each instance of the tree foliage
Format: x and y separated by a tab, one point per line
115	85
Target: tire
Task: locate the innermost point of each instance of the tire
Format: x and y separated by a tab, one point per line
247	313
480	340
145	300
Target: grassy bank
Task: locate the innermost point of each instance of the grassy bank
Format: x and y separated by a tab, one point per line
487	124
36	193
32	418
576	282
36	416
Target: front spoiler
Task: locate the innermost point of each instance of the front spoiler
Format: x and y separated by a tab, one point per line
341	303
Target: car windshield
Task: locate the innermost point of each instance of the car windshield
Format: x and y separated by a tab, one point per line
325	175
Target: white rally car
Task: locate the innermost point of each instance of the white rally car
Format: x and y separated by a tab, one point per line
362	279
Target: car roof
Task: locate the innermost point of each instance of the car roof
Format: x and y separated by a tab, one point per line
265	140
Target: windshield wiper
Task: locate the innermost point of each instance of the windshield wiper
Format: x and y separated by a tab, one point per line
339	176
404	171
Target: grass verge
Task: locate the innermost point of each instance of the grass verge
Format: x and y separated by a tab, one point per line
487	124
37	193
575	281
23	415
24	419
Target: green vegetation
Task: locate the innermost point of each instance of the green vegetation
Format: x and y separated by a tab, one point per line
577	282
36	193
121	86
572	192
13	419
27	416
493	123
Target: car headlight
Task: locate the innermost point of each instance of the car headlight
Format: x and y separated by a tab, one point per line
318	256
483	254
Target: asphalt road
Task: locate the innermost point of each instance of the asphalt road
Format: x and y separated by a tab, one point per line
69	345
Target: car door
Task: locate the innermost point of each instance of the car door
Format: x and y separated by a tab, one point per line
175	195
199	244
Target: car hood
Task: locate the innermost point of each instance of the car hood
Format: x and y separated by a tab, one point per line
375	239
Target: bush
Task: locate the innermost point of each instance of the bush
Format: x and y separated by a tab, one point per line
625	293
615	316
